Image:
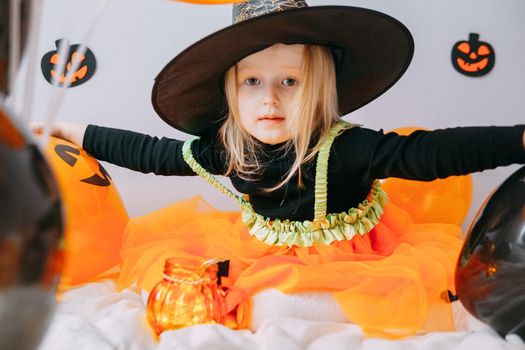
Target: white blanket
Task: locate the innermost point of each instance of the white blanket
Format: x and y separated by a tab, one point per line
96	317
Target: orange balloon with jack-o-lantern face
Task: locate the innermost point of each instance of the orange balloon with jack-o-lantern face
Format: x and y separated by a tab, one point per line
442	200
95	214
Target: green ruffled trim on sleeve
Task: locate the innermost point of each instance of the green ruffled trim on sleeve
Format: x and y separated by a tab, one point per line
335	227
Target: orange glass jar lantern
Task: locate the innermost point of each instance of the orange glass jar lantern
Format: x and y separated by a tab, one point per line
187	295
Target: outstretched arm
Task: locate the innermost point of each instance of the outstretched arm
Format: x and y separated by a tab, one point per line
428	155
138	151
149	154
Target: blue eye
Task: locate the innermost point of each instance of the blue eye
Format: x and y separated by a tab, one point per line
289	82
252	81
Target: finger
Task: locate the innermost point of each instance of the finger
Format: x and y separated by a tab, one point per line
36	128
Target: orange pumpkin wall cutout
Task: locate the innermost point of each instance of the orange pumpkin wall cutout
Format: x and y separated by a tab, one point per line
95	214
85	70
473	58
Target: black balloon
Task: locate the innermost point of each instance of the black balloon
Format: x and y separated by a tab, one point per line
30	238
490	275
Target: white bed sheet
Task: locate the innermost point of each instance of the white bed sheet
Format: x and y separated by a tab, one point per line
96	317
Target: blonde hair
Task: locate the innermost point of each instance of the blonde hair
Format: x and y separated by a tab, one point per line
314	109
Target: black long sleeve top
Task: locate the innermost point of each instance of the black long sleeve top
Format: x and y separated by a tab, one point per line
358	156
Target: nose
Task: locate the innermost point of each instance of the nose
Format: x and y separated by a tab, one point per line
271	97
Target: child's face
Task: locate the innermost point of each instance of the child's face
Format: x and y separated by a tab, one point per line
266	83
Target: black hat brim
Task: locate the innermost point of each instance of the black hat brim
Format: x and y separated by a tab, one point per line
372	50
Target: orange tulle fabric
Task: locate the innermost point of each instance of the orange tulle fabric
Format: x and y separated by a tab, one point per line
392	281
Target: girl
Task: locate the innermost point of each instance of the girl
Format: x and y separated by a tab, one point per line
316	234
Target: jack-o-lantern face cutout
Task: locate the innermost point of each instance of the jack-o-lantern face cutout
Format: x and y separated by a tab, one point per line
473	58
85	64
69	155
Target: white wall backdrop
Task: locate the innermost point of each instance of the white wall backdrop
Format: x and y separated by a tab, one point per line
134	39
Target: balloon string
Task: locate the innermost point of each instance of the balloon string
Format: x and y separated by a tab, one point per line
14	42
57	94
31	50
32	45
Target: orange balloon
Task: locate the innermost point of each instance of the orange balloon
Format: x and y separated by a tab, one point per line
95	215
442	200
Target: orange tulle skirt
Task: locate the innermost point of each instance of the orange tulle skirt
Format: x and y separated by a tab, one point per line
392	281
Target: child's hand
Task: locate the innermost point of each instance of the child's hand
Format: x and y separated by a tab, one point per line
72	132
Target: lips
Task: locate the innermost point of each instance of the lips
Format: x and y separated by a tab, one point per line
271	118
